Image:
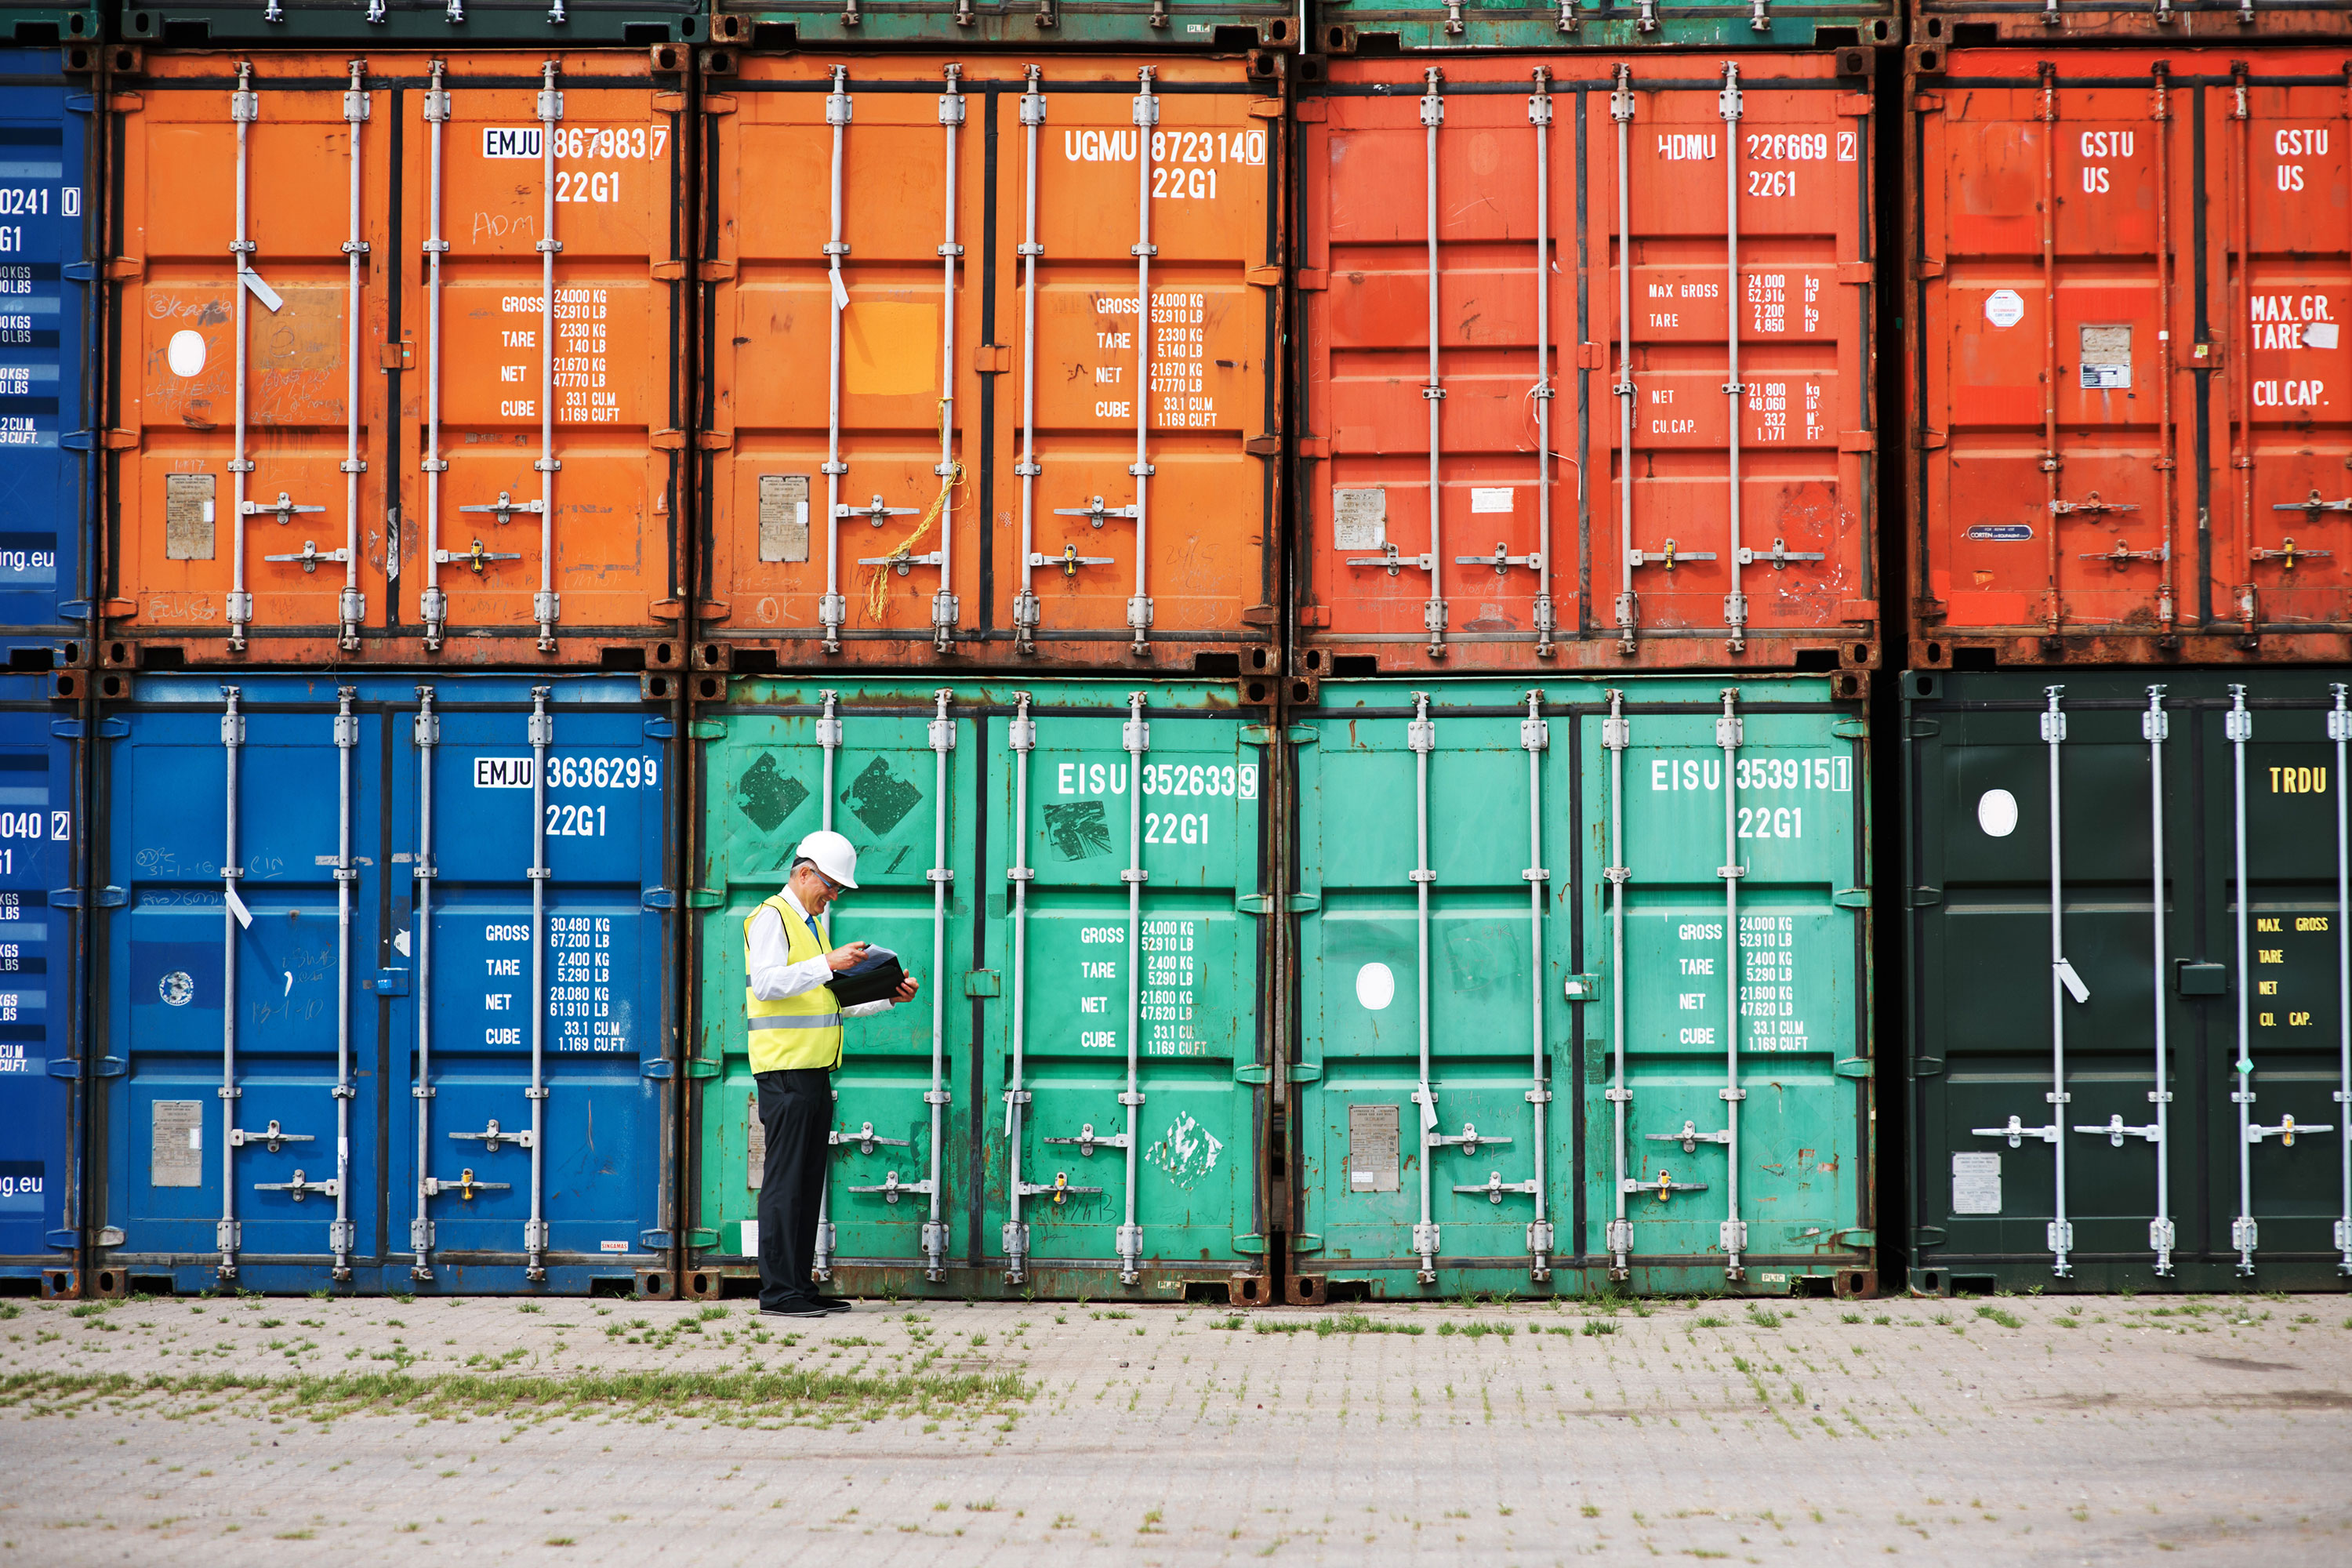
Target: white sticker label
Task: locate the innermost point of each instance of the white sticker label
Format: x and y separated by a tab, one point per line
2319	334
1497	499
515	142
1359	519
751	1238
502	773
2004	309
1976	1183
614	1245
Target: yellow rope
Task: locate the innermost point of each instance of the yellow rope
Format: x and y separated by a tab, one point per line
878	586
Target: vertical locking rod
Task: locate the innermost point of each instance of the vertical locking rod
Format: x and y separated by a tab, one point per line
2052	610
1621	110
828	740
2238	728
2165	434
1432	614
2240	250
1735	603
943	602
1025	603
1138	608
2061	1229
544	604
2339	730
350	605
1534	737
935	1229
232	868
433	604
1421	734
1614	732
428	737
1135	738
1016	1094
542	736
245	107
1539	114
1729	735
2157	729
347	739
832	609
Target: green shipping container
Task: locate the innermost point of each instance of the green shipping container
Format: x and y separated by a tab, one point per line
1522	1065
1385	26
2128	953
1074	1103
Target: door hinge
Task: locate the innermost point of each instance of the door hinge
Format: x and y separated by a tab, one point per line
390	983
1925	729
2202	979
657	899
714	271
1851	728
667	440
1313	449
1927	440
66	1066
1926	897
1305	1241
706	729
1253	1244
1856	272
991	358
705	898
1857	609
1851	898
1926	1067
1927	1235
1928	102
1262	277
671	271
1303	1072
1854	1066
1858	441
400	355
983	983
715	440
653	1240
64	1240
697	1068
1252	1073
1855	1239
700	1237
110	1067
1303	735
1304	903
1592	356
660	1067
1309	279
1253	903
661	729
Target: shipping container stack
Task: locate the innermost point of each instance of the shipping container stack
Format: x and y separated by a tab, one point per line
2130	639
385	735
1583	612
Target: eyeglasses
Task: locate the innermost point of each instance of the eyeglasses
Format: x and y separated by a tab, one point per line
831	886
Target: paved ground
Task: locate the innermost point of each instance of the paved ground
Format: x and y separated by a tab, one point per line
257	1431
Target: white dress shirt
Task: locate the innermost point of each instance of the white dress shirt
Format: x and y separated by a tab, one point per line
774	976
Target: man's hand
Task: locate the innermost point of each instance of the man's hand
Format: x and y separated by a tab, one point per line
848	957
906	989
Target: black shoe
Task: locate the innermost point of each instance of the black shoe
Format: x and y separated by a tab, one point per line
835	1303
795	1309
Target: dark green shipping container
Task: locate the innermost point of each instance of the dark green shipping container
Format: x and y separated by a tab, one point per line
1583	1003
1075	1103
1109	25
1387	26
2128	962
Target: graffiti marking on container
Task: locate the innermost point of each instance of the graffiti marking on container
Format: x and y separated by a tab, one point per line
1078	829
1187	1151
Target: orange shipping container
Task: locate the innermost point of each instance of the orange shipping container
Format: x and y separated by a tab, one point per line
1615	321
936	425
396	345
2132	394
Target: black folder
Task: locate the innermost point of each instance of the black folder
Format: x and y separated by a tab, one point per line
874	978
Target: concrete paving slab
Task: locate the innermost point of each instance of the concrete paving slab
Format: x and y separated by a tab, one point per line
2093	1430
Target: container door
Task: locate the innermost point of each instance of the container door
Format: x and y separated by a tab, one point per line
1732	1027
46	323
225	996
2002	1029
1133	979
1433	999
538	1008
41	1060
2282	1186
2289	264
866	762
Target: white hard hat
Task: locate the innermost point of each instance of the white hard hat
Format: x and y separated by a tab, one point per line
834	856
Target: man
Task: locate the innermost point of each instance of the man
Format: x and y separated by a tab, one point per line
794	1022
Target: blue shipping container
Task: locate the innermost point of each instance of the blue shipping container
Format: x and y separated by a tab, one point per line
40	991
48	277
458	1081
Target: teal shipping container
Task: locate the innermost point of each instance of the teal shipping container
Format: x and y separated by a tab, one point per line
1413	26
2127	954
1075	1103
1583	989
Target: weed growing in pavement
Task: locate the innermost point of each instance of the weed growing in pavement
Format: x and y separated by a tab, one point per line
1233	1322
1763	1319
2006	1319
1114	1312
1593	1327
528	1307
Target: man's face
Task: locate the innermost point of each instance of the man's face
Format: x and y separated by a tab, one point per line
813	888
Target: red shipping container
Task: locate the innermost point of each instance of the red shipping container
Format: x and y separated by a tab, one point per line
396	358
1701	231
935	427
2132	396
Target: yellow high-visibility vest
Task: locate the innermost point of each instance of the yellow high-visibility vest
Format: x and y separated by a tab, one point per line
803	1031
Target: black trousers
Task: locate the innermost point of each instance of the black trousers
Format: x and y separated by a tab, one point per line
796	1112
